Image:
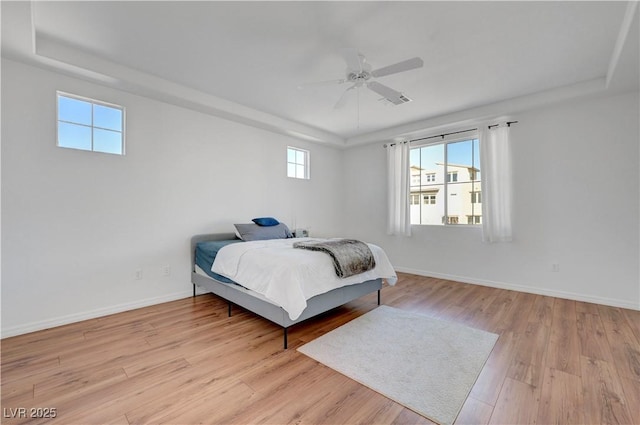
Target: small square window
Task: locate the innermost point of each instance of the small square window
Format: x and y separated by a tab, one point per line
297	163
90	125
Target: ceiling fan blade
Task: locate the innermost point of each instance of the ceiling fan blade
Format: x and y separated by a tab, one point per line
321	83
343	99
353	58
406	65
388	93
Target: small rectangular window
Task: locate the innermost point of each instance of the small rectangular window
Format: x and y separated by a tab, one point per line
474	219
452	219
89	124
429	199
297	163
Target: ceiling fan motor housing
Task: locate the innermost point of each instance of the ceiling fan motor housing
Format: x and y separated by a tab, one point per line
358	77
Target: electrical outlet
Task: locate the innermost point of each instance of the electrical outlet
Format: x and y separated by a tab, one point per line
138	274
555	267
166	271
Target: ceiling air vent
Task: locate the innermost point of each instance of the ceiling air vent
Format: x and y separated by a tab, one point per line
398	100
403	99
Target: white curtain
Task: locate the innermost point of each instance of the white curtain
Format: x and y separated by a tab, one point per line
495	160
398	219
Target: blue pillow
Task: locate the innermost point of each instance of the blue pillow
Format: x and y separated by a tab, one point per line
266	221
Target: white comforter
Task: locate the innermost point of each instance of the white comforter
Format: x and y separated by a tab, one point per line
288	276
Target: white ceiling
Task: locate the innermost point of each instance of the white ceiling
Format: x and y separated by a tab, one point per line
244	60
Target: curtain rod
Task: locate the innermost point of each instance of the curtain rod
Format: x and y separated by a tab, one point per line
508	123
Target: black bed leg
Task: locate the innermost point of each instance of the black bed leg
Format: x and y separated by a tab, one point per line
378	297
285	338
194	290
229	302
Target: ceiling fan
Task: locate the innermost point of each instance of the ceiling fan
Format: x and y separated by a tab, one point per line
359	74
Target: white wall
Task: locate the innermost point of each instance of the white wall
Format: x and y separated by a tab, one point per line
76	225
576	186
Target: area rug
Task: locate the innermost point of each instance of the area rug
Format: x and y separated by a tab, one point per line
425	364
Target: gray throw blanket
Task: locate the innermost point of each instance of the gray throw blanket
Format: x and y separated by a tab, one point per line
349	256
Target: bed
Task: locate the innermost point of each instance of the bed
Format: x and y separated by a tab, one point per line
263	306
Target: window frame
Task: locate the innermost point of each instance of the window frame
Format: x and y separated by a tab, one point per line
470	136
92	127
306	164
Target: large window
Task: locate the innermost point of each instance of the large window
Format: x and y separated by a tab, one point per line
297	163
90	125
446	177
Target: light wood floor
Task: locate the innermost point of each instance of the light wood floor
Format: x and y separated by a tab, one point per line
186	362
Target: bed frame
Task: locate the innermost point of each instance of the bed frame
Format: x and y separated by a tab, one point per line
242	297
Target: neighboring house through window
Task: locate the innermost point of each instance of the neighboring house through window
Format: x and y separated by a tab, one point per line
440	172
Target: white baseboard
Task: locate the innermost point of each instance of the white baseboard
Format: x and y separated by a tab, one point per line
528	289
92	314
